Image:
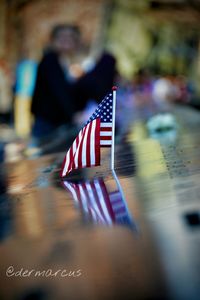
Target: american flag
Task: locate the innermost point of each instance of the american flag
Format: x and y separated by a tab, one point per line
97	132
104	113
98	205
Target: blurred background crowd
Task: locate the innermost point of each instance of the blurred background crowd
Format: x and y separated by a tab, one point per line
59	58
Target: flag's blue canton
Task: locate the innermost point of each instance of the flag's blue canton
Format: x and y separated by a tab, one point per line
104	110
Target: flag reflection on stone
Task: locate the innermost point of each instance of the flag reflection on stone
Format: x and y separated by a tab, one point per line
99	205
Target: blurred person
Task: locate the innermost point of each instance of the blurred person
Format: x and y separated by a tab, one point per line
5	93
142	84
164	92
67	79
185	89
26	70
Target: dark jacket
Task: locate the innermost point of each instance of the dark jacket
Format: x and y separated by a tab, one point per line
56	99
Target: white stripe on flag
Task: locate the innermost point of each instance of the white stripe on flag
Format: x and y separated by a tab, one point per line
92	144
106	124
74	145
94	215
72	190
93	201
105	143
72	151
78	150
84	148
102	201
117	206
105	133
66	164
121	215
83	198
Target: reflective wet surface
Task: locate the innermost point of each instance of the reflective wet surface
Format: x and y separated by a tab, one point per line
132	234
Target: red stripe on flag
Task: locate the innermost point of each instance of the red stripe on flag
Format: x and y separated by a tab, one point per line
88	203
80	148
106	128
97	143
62	167
107	201
71	160
98	199
78	193
85	151
71	164
106	138
88	142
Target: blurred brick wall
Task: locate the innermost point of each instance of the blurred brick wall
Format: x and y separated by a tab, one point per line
37	18
2	27
25	28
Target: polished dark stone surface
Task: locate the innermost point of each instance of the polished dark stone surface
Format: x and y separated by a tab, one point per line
150	253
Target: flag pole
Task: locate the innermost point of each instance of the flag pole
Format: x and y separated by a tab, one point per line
114	89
